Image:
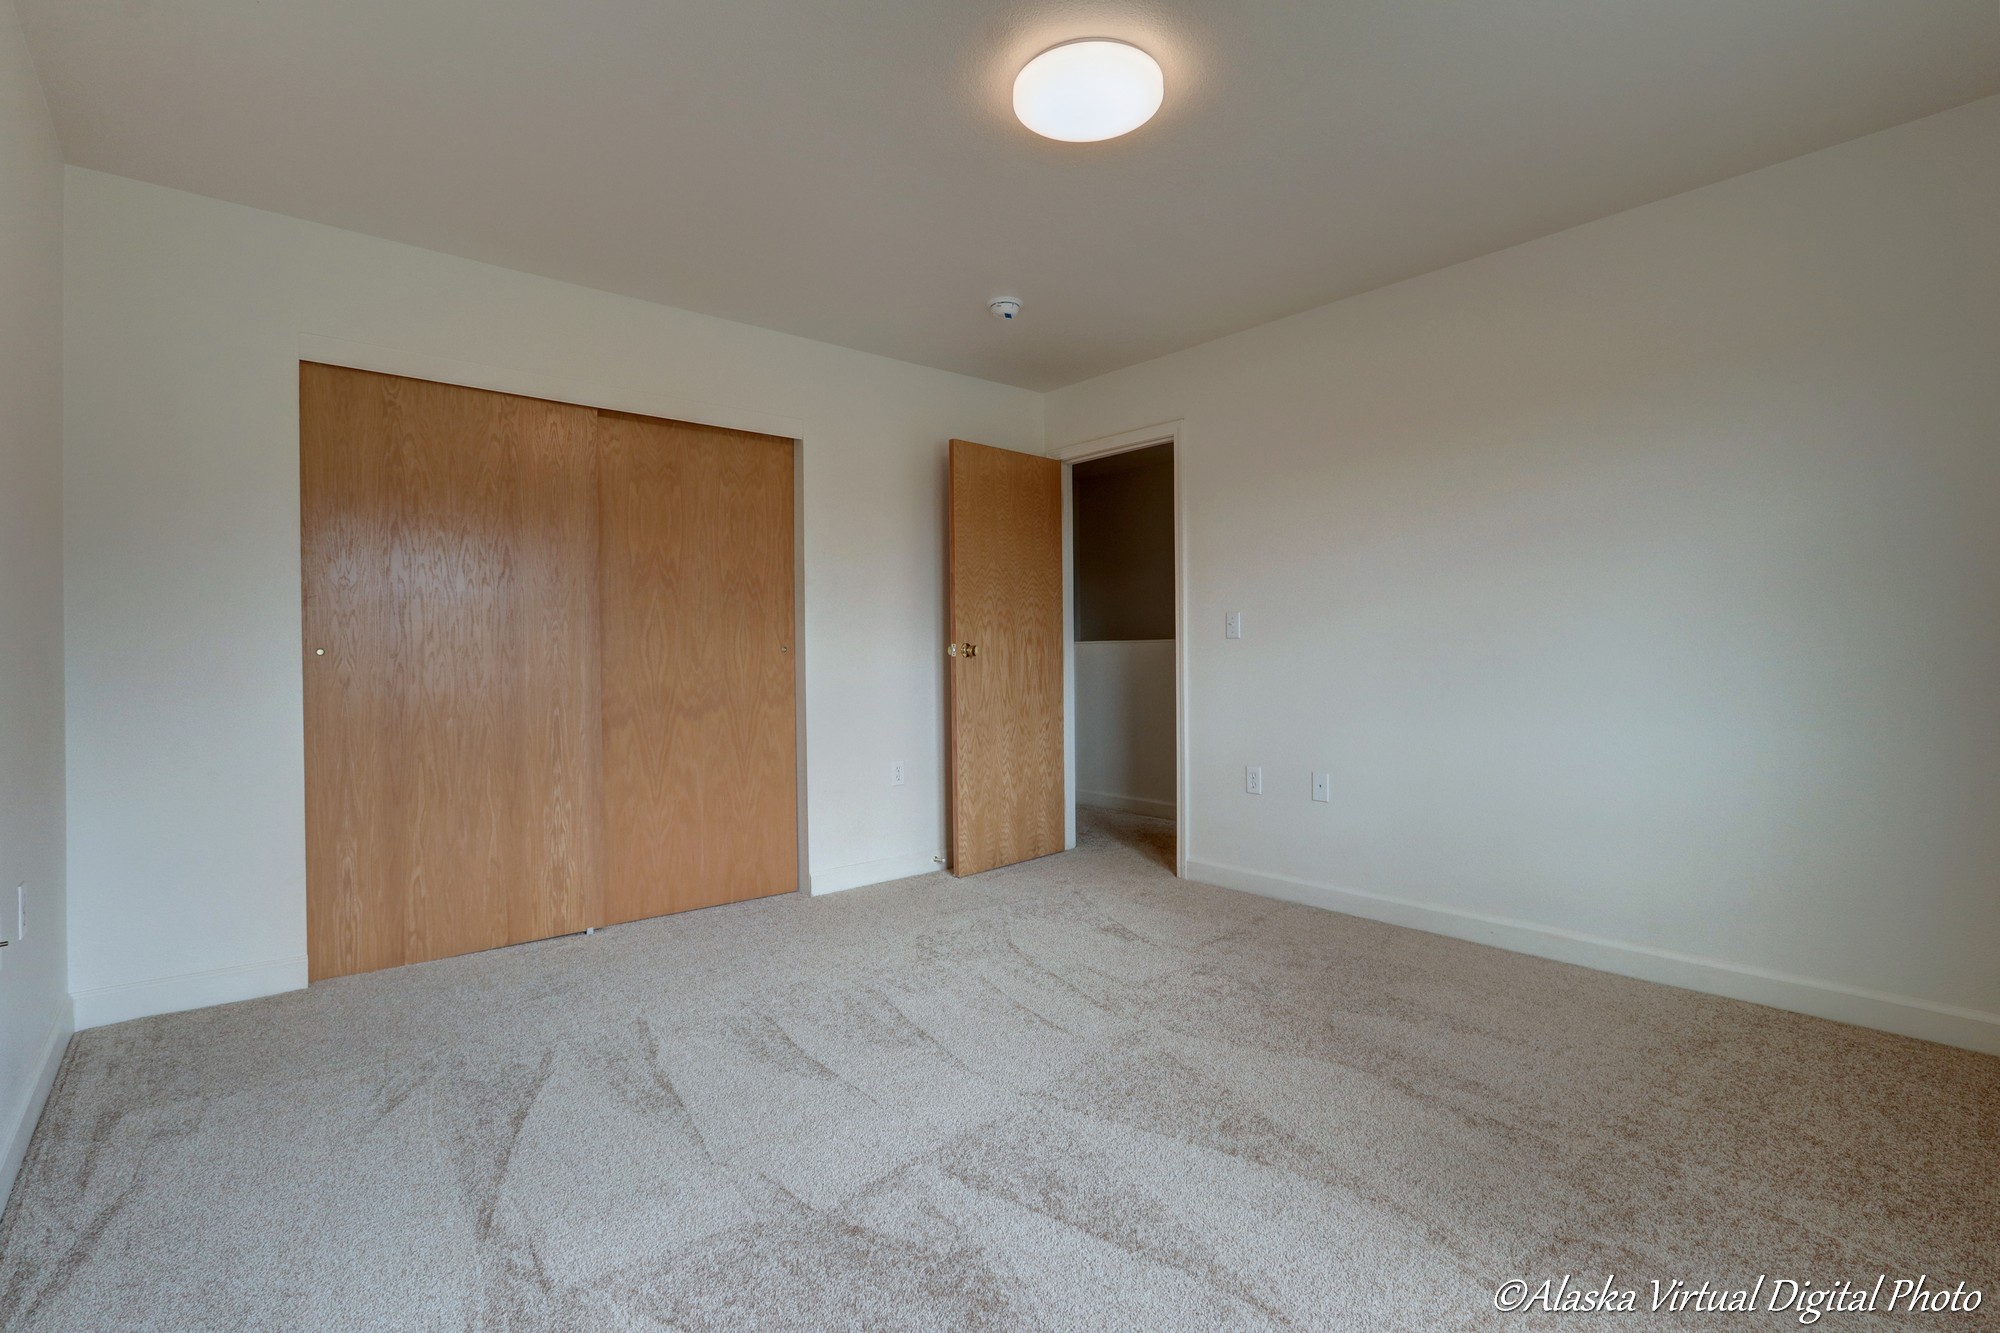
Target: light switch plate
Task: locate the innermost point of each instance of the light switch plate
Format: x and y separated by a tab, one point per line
1322	786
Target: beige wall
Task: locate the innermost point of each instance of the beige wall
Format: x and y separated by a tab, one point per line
1122	525
1639	587
34	999
1125	725
187	318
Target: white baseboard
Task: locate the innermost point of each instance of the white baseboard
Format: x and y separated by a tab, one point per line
1131	805
1902	1014
22	1127
195	990
872	872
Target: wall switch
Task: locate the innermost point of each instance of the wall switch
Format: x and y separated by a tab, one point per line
1232	625
1322	786
20	911
896	778
1253	781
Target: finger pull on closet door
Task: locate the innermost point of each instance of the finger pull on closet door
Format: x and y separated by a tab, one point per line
460	793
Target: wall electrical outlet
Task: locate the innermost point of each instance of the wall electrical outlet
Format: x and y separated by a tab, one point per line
1232	625
896	778
1253	781
1322	786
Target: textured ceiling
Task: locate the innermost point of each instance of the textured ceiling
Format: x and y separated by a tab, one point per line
851	171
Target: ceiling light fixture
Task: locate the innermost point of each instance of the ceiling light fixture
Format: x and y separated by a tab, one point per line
1087	90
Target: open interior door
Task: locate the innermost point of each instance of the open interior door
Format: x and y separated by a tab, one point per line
1005	657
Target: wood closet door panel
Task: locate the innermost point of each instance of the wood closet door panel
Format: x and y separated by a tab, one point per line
453	798
700	741
1005	566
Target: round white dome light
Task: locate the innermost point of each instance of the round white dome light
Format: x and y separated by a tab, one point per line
1088	90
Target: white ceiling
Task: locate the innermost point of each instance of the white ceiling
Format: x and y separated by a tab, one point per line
850	169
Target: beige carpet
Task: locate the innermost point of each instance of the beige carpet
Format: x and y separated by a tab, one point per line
1075	1094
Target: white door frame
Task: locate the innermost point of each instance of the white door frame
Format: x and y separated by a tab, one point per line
1144	437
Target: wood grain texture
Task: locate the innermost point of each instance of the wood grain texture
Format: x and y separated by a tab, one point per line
449	541
1006	790
700	740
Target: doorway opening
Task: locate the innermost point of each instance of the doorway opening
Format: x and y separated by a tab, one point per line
1124	633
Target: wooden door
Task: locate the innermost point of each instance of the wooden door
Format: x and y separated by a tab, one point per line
1006	657
700	744
451	672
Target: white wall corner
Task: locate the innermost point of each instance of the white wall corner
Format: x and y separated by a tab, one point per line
193	990
1902	1014
21	1128
821	882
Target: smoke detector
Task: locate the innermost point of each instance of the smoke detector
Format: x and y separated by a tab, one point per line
1005	309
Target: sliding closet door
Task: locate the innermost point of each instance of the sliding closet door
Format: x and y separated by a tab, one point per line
700	747
451	670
